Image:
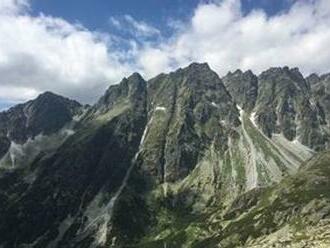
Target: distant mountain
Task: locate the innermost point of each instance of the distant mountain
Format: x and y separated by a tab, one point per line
186	159
22	126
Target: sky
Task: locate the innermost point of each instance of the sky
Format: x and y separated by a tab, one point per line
78	48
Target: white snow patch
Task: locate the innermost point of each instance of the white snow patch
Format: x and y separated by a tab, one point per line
159	108
253	119
68	132
214	104
241	112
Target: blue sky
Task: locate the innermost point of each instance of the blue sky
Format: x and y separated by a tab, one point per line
5	105
95	14
77	48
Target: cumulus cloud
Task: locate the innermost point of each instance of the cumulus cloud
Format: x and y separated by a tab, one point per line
13	6
220	34
48	53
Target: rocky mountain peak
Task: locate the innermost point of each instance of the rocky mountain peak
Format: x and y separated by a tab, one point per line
198	67
44	115
188	109
285	76
285	105
243	86
194	75
185	159
48	94
313	79
130	88
325	77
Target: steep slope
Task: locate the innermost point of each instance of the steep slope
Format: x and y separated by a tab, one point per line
282	102
228	153
286	106
40	124
271	155
243	87
190	111
69	202
171	162
294	213
321	91
45	115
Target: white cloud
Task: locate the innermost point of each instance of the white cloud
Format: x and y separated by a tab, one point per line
154	61
138	29
220	34
47	53
13	6
17	93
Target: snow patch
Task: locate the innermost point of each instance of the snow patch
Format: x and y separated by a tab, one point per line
241	112
214	104
159	108
68	132
253	119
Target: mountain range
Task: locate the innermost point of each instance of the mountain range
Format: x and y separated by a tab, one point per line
185	159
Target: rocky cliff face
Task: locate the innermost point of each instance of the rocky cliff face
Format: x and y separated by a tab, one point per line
321	91
28	128
78	184
183	160
243	86
283	103
45	115
189	110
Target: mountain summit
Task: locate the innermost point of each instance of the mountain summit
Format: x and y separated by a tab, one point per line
185	159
